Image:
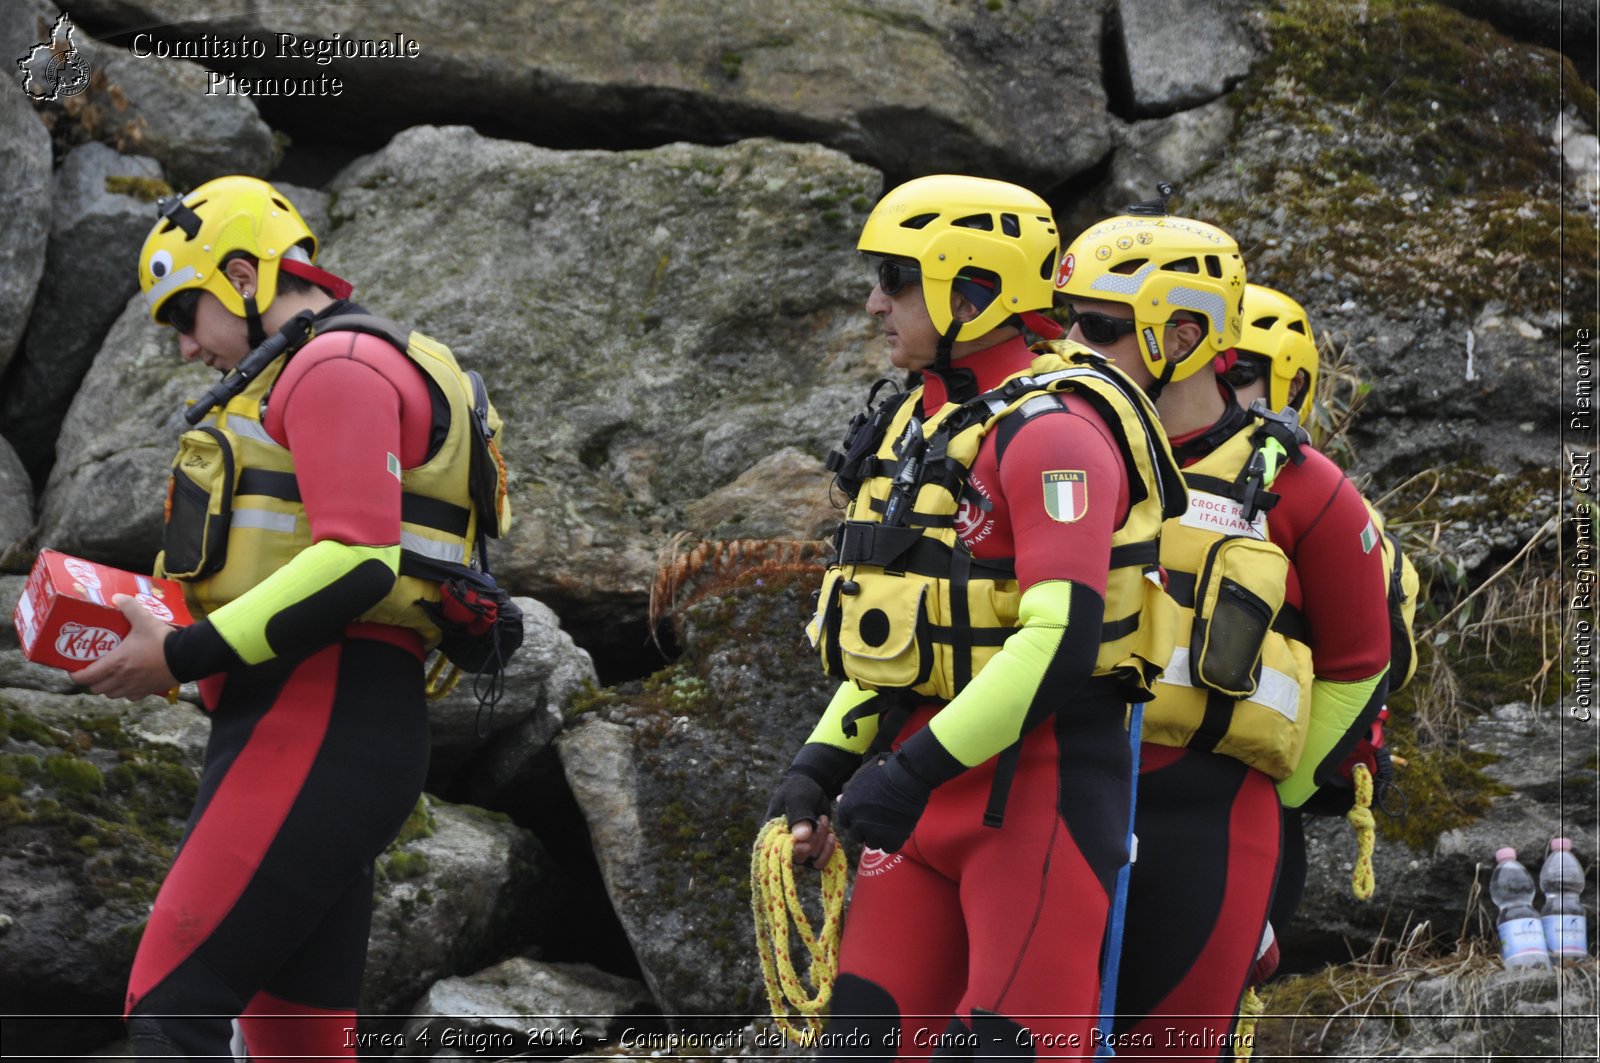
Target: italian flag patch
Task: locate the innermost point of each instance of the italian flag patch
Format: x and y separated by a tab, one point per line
1066	494
1369	538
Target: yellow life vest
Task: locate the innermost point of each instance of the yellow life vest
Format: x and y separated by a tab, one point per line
1239	681
1401	580
905	606
234	514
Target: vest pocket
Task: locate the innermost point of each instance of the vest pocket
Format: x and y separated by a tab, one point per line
871	630
1239	592
199	505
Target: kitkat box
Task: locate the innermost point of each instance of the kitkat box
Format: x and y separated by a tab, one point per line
65	617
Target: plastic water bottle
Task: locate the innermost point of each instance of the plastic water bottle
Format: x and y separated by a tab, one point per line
1521	935
1566	934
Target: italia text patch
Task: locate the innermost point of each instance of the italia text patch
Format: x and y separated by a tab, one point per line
1066	494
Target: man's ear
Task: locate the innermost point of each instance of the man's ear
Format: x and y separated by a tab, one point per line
961	308
1297	388
242	274
1186	336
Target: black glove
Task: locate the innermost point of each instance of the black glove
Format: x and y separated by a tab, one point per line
882	803
806	791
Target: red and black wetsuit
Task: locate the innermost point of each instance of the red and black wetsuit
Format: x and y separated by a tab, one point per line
1002	928
317	755
1208	825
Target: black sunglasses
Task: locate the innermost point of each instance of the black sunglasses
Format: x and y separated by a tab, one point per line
1244	371
893	276
1099	328
179	311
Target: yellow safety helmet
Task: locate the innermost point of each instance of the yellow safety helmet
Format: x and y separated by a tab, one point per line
196	232
952	225
1276	328
1157	264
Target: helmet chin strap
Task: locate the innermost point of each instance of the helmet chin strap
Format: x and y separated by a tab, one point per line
1155	389
252	321
947	342
1153	392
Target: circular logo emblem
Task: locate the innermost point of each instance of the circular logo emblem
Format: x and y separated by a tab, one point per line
1102	252
1064	273
1145	238
66	75
1124	242
967	519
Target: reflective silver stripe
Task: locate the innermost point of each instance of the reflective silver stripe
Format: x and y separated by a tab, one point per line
1123	283
454	553
1039	404
162	288
1276	691
265	519
245	428
1208	303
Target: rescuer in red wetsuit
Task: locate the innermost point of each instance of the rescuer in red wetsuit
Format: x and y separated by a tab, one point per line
990	610
1160	297
309	655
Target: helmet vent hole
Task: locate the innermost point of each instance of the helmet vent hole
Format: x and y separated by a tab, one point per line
280	204
1130	267
1010	225
1213	265
976	221
1298	326
1047	268
1184	265
918	222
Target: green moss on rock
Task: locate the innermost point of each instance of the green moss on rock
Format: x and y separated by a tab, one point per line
1407	143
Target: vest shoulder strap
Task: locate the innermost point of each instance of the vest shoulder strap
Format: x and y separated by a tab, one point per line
371	324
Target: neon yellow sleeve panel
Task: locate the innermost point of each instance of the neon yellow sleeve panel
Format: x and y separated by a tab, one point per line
1334	707
987	716
242	623
830	728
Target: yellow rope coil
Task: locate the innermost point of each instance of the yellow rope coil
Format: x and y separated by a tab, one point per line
437	685
774	901
1362	879
1244	1037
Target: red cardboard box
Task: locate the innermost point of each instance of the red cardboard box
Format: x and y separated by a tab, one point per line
65	617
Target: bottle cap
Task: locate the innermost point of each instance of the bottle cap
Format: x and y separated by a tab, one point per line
1561	844
1502	855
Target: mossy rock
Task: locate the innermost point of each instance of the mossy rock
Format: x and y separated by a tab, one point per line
94	795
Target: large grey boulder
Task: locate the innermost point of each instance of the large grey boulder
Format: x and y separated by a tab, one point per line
916	86
673	777
102	208
25	189
642	358
16	510
459	888
521	1006
1179	54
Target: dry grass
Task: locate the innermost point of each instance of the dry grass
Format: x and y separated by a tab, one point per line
1339	397
688	570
